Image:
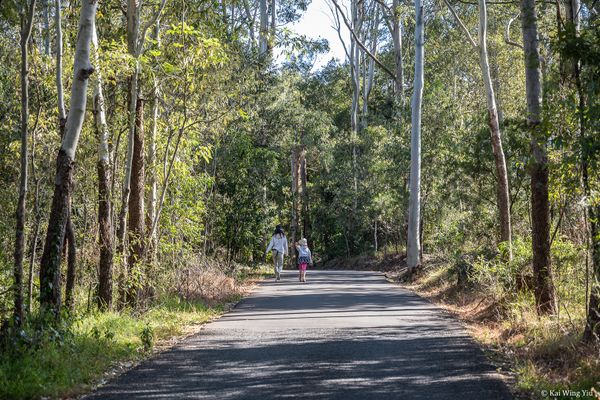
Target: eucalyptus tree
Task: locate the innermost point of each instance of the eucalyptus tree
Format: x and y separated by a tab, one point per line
50	288
540	204
392	14
136	39
105	209
413	254
502	187
26	19
62	120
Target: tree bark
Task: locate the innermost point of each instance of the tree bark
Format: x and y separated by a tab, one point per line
592	326
306	222
47	27
105	226
540	215
71	265
414	204
152	198
136	221
26	27
397	37
295	212
62	114
263	46
50	296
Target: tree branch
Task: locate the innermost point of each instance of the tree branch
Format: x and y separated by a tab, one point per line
507	33
152	21
462	25
360	44
337	28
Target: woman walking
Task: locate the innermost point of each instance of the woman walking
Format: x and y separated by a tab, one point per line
279	245
304	258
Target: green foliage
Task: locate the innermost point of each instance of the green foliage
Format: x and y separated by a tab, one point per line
68	360
147	338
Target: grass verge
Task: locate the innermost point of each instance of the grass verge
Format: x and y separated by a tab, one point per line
89	348
544	354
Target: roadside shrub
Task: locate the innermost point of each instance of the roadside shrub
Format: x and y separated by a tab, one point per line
203	279
501	277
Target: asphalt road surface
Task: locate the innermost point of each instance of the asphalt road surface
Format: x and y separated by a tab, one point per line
342	335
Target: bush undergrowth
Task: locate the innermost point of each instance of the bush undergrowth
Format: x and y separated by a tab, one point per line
69	359
545	352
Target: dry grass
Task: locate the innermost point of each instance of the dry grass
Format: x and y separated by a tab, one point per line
541	353
208	282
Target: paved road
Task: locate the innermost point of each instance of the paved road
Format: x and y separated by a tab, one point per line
343	335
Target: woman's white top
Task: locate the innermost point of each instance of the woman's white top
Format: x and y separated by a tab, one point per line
278	242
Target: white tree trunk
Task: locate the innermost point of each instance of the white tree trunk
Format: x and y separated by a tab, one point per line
414	205
397	37
50	293
82	69
62	115
152	201
102	126
502	194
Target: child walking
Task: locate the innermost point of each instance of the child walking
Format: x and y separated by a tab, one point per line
304	258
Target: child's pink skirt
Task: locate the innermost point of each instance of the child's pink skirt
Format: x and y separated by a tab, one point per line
302	266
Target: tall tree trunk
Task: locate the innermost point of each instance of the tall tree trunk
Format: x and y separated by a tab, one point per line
71	266
152	196
369	70
273	24
414	204
47	27
135	45
134	48
572	69
540	214
295	212
105	227
397	37
62	114
502	193
355	53
306	222
50	296
263	46
136	221
36	230
592	326
26	27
